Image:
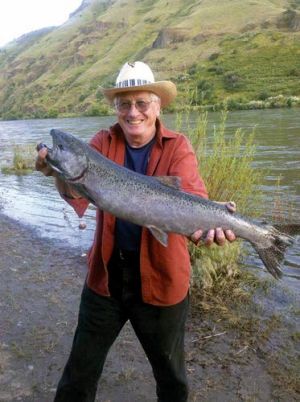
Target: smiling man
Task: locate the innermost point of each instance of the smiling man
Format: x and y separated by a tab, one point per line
131	275
137	114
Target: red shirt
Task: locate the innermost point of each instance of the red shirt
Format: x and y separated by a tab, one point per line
165	271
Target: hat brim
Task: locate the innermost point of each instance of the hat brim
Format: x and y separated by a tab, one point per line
165	90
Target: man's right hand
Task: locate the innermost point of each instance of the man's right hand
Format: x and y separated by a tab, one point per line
40	163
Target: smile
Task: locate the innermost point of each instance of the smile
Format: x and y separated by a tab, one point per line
135	122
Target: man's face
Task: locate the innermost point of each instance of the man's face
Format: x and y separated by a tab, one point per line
137	113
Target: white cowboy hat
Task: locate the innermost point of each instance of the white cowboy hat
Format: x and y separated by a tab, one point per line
139	77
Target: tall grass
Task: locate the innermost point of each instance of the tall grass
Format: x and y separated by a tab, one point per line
23	160
225	163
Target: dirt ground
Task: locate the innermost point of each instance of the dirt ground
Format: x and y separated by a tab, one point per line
249	352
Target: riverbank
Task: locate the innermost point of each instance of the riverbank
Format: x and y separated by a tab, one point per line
238	352
229	104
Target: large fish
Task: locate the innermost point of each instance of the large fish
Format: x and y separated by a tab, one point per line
154	202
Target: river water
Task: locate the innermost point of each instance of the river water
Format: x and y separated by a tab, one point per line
32	199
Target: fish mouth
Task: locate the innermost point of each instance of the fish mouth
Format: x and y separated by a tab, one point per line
52	162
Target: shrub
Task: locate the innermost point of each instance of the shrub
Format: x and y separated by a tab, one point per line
263	95
203	92
97	110
213	56
232	81
23	160
226	168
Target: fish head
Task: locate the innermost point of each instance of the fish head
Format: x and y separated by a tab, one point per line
67	157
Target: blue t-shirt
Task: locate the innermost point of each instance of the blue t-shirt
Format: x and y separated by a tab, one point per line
128	235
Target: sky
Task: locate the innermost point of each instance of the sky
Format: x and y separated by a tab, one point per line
18	17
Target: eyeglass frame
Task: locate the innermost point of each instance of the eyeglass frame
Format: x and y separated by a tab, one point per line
128	104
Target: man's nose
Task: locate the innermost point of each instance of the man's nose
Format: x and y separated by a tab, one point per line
133	109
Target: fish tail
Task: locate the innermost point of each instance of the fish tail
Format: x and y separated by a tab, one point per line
281	238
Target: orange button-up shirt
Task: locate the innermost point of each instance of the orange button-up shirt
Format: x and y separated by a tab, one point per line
165	271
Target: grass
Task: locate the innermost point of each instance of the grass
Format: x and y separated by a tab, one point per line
271	79
23	161
219	278
226	167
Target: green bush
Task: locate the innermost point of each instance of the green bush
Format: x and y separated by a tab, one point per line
23	160
226	168
202	93
232	81
98	110
263	95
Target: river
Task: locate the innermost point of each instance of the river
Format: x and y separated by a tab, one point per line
32	199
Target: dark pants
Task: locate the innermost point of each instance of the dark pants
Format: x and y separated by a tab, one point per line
159	329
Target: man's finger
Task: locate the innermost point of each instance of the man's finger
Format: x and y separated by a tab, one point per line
230	236
196	236
220	237
210	237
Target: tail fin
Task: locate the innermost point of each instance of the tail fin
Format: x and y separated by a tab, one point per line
273	256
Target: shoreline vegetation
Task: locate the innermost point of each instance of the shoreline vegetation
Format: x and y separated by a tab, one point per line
23	160
231	104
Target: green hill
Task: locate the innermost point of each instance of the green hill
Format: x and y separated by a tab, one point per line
215	50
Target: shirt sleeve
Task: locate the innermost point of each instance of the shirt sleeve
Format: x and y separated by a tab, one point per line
184	164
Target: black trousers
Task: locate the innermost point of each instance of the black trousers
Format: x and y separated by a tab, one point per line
160	331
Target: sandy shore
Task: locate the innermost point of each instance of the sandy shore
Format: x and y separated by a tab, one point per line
249	354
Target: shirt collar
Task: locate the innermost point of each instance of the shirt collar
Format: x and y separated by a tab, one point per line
161	131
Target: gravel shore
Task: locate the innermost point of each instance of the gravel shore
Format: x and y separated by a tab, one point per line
251	355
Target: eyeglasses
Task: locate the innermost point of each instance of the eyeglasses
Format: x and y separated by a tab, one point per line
140	105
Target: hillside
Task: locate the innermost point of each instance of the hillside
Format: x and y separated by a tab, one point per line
214	50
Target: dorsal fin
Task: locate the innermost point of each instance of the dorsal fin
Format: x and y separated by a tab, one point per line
170	181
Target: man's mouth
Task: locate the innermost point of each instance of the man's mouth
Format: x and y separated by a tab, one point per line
134	122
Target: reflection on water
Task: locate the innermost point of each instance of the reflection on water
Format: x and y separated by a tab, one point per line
33	200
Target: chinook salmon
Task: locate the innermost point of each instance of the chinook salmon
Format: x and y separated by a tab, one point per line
155	203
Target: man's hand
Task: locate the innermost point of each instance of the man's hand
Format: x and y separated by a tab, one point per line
40	163
218	235
65	190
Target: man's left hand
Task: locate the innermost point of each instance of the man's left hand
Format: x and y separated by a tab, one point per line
217	235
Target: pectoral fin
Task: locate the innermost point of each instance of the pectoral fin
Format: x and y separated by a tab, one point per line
160	235
170	181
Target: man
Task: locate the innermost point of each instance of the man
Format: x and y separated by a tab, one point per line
131	275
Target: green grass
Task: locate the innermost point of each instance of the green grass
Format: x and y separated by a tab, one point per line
23	161
226	167
247	67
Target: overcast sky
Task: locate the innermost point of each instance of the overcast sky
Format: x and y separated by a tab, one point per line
22	16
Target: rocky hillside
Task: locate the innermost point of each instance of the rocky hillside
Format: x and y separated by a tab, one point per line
239	51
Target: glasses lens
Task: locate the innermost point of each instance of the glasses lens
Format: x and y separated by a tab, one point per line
142	106
123	106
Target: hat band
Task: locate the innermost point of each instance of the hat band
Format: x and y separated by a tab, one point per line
132	83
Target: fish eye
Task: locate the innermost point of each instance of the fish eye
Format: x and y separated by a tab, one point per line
60	146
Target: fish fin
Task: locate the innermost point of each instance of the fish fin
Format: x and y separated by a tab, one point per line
159	234
273	256
83	192
291	229
170	181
